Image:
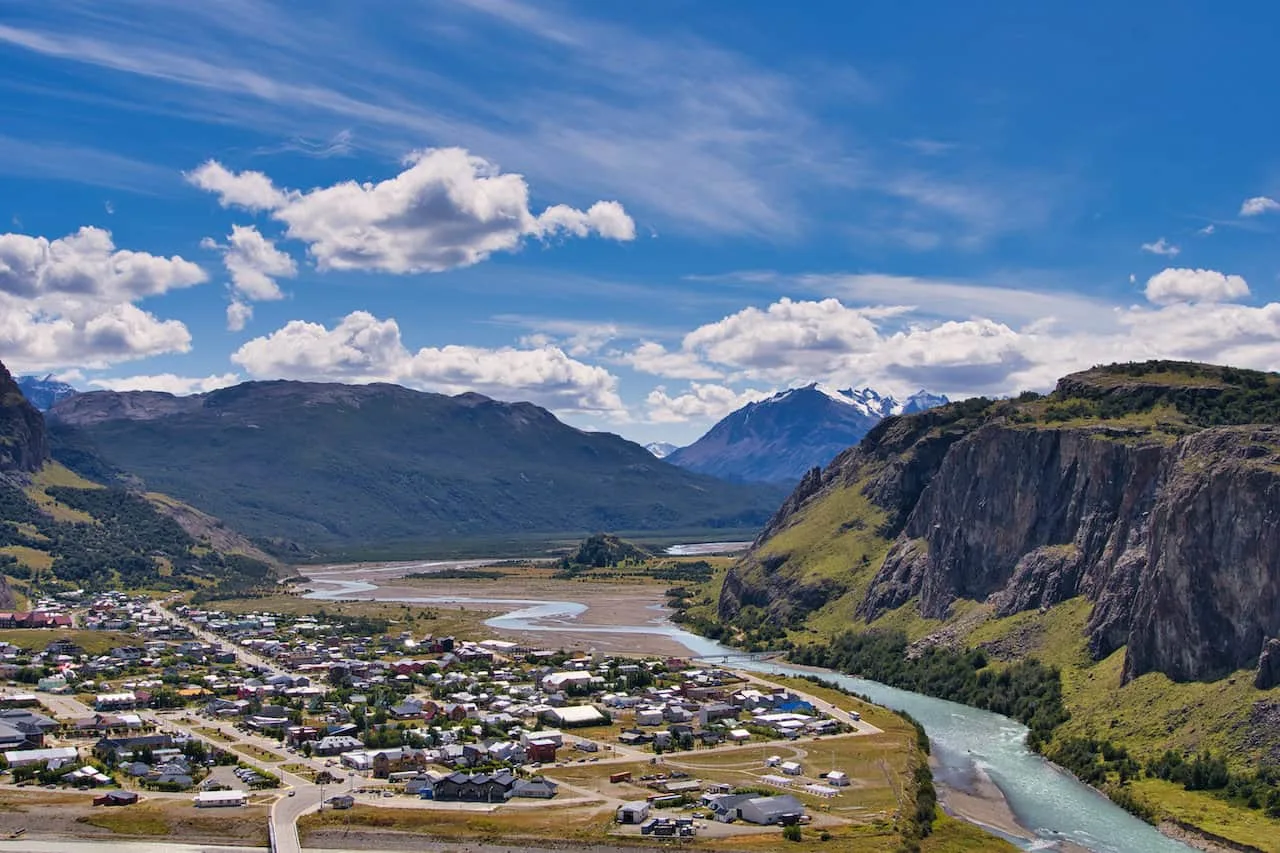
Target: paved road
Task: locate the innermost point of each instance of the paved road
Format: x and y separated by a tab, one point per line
244	655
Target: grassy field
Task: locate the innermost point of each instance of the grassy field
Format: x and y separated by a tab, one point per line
255	752
32	558
180	821
93	642
1211	814
465	624
54	474
213	734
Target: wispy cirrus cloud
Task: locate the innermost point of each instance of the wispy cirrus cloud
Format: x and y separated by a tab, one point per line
688	133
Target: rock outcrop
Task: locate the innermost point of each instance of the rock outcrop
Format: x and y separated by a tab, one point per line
1173	534
23	444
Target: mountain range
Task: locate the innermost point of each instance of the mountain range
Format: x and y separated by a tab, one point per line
44	391
778	439
328	467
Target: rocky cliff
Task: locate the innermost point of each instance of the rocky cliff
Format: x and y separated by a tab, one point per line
1118	487
23	446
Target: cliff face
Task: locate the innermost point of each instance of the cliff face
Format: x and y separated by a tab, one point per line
1174	537
23	446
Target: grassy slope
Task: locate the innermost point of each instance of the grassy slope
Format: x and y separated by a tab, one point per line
1149	715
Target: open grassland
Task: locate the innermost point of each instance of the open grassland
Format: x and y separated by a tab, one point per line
32	558
46	814
570	824
52	475
93	642
1211	814
467	624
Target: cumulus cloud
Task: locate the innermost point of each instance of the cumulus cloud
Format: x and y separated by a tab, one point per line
447	209
86	268
700	402
238	315
1194	285
33	340
253	263
1191	314
250	190
1161	247
786	336
654	358
168	382
1259	205
68	302
364	348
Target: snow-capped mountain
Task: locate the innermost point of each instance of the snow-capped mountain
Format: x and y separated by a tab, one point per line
778	439
661	449
43	392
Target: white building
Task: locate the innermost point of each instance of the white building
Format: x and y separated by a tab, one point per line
215	799
55	757
575	715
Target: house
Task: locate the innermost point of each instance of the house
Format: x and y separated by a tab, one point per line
534	788
633	813
713	711
342	801
124	747
649	717
838	778
543	750
116	798
336	745
409	709
791	768
480	788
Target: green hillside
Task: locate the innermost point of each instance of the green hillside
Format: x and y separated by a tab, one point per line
334	467
60	532
1121	531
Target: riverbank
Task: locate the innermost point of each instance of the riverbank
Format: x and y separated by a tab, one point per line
606	616
1051	807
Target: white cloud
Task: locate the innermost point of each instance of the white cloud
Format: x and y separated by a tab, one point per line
1207	230
86	268
363	348
702	402
1259	205
1161	247
447	209
946	299
1194	285
169	383
250	190
238	314
606	218
253	263
787	337
654	358
69	302
31	340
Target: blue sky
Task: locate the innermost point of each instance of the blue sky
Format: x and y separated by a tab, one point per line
641	216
